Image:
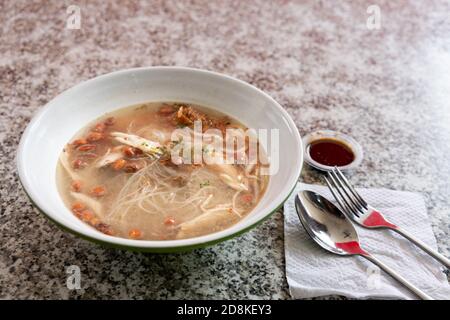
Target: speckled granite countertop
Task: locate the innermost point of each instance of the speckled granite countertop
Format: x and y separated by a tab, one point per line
388	88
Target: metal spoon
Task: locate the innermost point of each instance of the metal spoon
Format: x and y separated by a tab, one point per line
331	229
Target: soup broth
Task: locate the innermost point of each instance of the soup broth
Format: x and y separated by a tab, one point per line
119	175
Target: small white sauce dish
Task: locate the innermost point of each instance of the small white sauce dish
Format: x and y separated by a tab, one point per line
342	138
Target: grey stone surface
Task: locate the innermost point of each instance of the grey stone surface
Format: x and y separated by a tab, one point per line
388	88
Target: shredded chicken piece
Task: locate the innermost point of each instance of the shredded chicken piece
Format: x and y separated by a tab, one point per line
109	157
64	158
151	148
230	176
197	226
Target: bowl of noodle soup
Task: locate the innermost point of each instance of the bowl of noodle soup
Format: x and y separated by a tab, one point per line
107	160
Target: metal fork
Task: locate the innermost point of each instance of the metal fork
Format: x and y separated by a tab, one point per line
357	209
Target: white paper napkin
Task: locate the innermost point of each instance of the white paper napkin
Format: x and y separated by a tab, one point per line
311	271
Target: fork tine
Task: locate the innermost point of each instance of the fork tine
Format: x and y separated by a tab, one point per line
339	201
343	202
354	204
350	187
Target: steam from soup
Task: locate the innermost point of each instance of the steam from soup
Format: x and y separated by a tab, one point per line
119	176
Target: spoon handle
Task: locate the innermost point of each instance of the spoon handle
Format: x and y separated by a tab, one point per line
397	277
439	257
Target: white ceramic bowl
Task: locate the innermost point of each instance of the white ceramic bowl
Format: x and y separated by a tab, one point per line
62	117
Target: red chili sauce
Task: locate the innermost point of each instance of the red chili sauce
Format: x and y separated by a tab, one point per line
331	152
